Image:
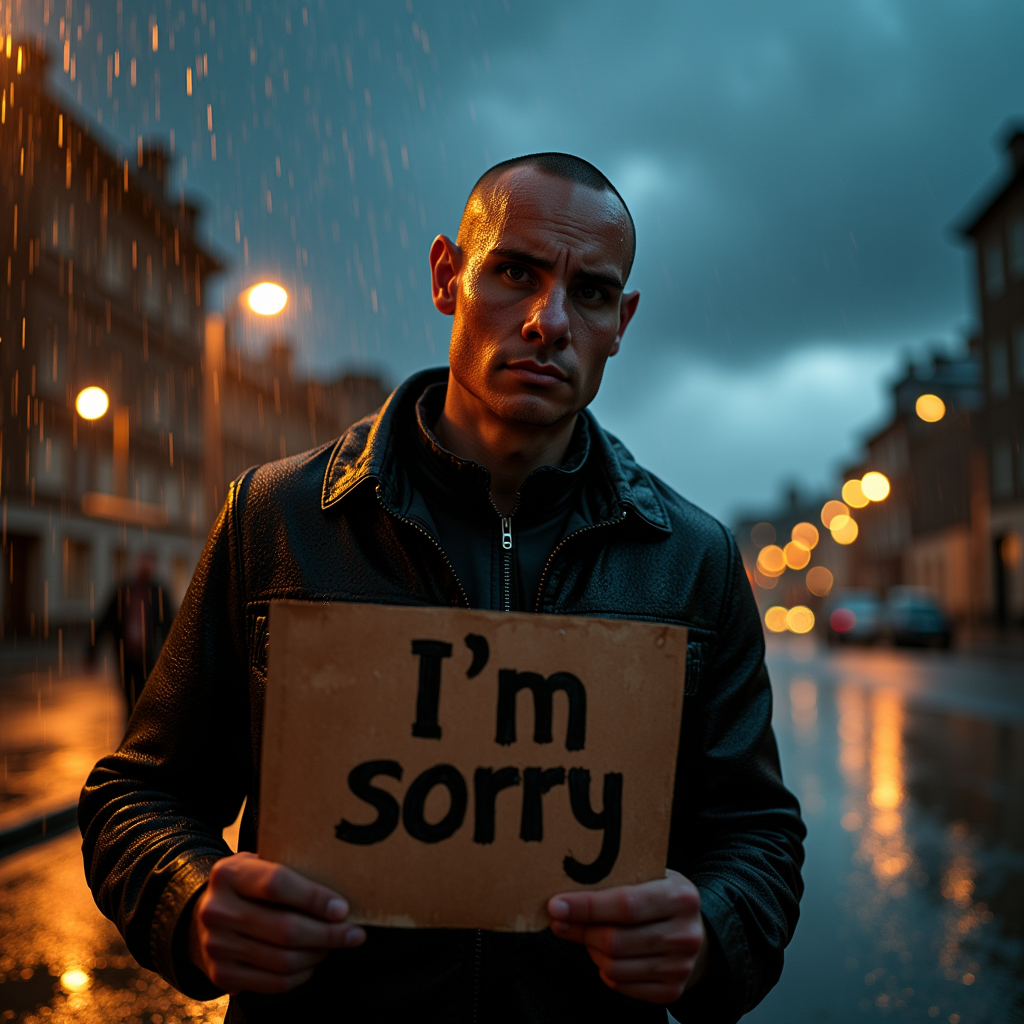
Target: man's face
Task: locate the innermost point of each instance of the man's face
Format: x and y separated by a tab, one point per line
538	295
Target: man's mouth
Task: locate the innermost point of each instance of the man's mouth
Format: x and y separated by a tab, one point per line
531	372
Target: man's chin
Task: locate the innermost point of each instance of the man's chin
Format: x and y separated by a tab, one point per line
531	410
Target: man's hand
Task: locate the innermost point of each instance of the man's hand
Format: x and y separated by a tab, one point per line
648	941
262	927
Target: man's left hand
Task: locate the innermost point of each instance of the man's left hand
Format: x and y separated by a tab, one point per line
648	941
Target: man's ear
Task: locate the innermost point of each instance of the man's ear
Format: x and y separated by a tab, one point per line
627	307
445	265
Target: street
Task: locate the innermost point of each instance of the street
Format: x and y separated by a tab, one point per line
909	767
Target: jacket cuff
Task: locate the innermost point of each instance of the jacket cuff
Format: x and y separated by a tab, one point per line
169	934
719	996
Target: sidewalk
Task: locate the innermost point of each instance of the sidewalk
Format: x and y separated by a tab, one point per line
53	729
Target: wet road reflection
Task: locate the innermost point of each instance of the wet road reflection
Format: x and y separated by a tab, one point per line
910	769
62	961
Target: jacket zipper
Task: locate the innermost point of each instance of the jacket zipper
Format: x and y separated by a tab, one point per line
433	540
506	563
561	544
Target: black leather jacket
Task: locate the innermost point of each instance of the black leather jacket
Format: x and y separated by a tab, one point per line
330	525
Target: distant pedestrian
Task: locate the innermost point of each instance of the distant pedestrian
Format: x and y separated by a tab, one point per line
137	619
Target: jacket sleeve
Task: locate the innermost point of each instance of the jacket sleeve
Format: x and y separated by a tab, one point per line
150	819
736	829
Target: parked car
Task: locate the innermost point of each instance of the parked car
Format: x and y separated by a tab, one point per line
853	616
915	618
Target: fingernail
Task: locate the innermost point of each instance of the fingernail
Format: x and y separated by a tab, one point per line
558	908
355	937
337	908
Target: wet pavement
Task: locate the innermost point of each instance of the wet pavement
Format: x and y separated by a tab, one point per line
910	768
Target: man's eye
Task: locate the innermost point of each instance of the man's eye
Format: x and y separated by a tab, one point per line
590	293
515	273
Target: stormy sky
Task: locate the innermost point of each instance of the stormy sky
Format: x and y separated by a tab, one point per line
796	172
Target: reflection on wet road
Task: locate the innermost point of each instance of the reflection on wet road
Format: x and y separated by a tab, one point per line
62	961
910	770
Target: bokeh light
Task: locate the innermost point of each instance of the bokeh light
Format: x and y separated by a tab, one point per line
853	495
797	556
819	581
875	486
775	619
267	298
842	620
830	510
844	530
806	534
92	403
800	619
75	980
930	408
771	561
765	582
762	534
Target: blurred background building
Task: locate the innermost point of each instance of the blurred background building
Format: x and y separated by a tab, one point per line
106	289
951	519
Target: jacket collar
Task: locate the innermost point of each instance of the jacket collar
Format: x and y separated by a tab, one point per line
368	450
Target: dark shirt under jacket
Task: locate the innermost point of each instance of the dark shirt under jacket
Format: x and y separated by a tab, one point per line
498	560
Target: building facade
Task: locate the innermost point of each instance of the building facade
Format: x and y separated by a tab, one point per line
996	235
105	287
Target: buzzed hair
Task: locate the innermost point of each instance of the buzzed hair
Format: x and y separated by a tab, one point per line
564	166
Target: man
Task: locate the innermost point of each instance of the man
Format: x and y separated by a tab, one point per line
137	620
486	485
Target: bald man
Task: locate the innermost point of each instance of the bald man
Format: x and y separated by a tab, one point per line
487	484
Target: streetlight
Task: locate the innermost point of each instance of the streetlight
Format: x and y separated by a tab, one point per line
92	403
265	299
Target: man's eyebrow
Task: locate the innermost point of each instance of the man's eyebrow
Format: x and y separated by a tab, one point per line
609	280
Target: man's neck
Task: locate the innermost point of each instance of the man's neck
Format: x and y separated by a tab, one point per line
511	451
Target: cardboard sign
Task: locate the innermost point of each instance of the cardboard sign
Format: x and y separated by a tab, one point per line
443	767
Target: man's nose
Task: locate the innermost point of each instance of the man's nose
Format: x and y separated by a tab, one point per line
548	323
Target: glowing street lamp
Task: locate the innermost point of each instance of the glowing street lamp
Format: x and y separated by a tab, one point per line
266	298
930	408
875	486
92	403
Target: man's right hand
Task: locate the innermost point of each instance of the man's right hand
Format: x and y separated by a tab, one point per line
262	927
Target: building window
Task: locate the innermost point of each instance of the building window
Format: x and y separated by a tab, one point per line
995	282
1002	470
77	576
998	368
1018	356
1016	238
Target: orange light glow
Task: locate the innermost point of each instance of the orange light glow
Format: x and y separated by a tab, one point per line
267	298
830	510
853	494
875	486
800	619
1010	550
75	980
92	403
771	561
819	581
796	555
930	408
844	530
775	619
806	534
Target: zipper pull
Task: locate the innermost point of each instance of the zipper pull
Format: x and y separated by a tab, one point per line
506	532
